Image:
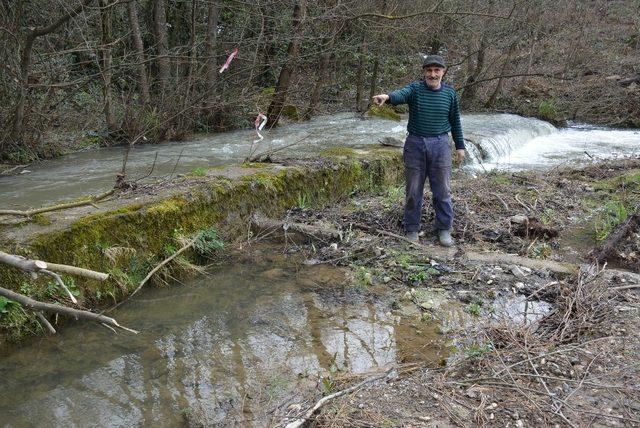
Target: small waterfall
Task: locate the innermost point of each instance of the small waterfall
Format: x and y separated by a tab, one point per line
492	137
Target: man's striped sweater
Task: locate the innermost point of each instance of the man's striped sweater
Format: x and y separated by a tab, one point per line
431	112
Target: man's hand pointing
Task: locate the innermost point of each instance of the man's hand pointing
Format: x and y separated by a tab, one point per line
380	99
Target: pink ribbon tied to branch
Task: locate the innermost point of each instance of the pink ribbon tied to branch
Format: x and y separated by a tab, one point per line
230	58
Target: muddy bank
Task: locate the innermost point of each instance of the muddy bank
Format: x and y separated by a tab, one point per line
534	346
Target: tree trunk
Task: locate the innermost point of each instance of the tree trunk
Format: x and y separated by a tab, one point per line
374	78
17	129
284	79
106	63
492	99
211	53
160	33
143	84
360	75
470	86
323	71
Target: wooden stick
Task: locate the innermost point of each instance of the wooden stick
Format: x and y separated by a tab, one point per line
28	265
29	213
324	400
154	270
45	322
61	284
60	309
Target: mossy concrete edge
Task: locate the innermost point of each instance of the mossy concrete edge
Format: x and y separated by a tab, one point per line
126	242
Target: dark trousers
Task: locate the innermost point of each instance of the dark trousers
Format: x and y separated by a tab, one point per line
427	157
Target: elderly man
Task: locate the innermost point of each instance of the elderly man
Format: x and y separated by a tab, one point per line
433	112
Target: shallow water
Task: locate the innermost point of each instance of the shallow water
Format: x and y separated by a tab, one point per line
224	348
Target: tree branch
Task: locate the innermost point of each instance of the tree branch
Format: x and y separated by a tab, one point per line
62	310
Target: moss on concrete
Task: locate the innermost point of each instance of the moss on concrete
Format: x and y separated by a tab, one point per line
143	231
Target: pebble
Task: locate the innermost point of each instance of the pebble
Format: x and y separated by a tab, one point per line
519	423
333	247
386	279
490	282
361	406
424	418
519	285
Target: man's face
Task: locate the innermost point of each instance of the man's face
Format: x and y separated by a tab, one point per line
433	76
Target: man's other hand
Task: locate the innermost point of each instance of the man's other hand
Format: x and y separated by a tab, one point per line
380	99
460	154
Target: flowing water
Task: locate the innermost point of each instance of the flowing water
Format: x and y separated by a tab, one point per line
225	348
495	140
241	340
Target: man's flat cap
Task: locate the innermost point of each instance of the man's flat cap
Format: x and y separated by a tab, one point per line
433	60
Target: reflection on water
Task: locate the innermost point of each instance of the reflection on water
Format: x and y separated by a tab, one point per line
231	346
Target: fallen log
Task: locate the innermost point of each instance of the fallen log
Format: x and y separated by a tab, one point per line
610	245
556	267
60	309
317	232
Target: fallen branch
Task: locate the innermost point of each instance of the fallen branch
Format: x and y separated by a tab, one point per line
60	309
317	232
324	400
29	213
36	266
156	269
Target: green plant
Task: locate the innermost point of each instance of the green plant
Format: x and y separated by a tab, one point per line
475	308
547	110
612	214
393	194
363	276
478	351
541	250
6	305
548	215
302	201
207	242
199	172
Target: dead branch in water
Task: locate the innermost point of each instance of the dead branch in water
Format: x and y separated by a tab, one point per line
35	267
156	269
60	309
30	213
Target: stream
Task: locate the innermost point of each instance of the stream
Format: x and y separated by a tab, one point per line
494	141
245	337
229	346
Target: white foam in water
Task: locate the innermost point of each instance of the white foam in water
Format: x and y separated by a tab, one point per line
570	146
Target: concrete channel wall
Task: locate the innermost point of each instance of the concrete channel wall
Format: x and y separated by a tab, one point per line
130	234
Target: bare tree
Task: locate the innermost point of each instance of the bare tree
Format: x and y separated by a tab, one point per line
136	35
293	51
